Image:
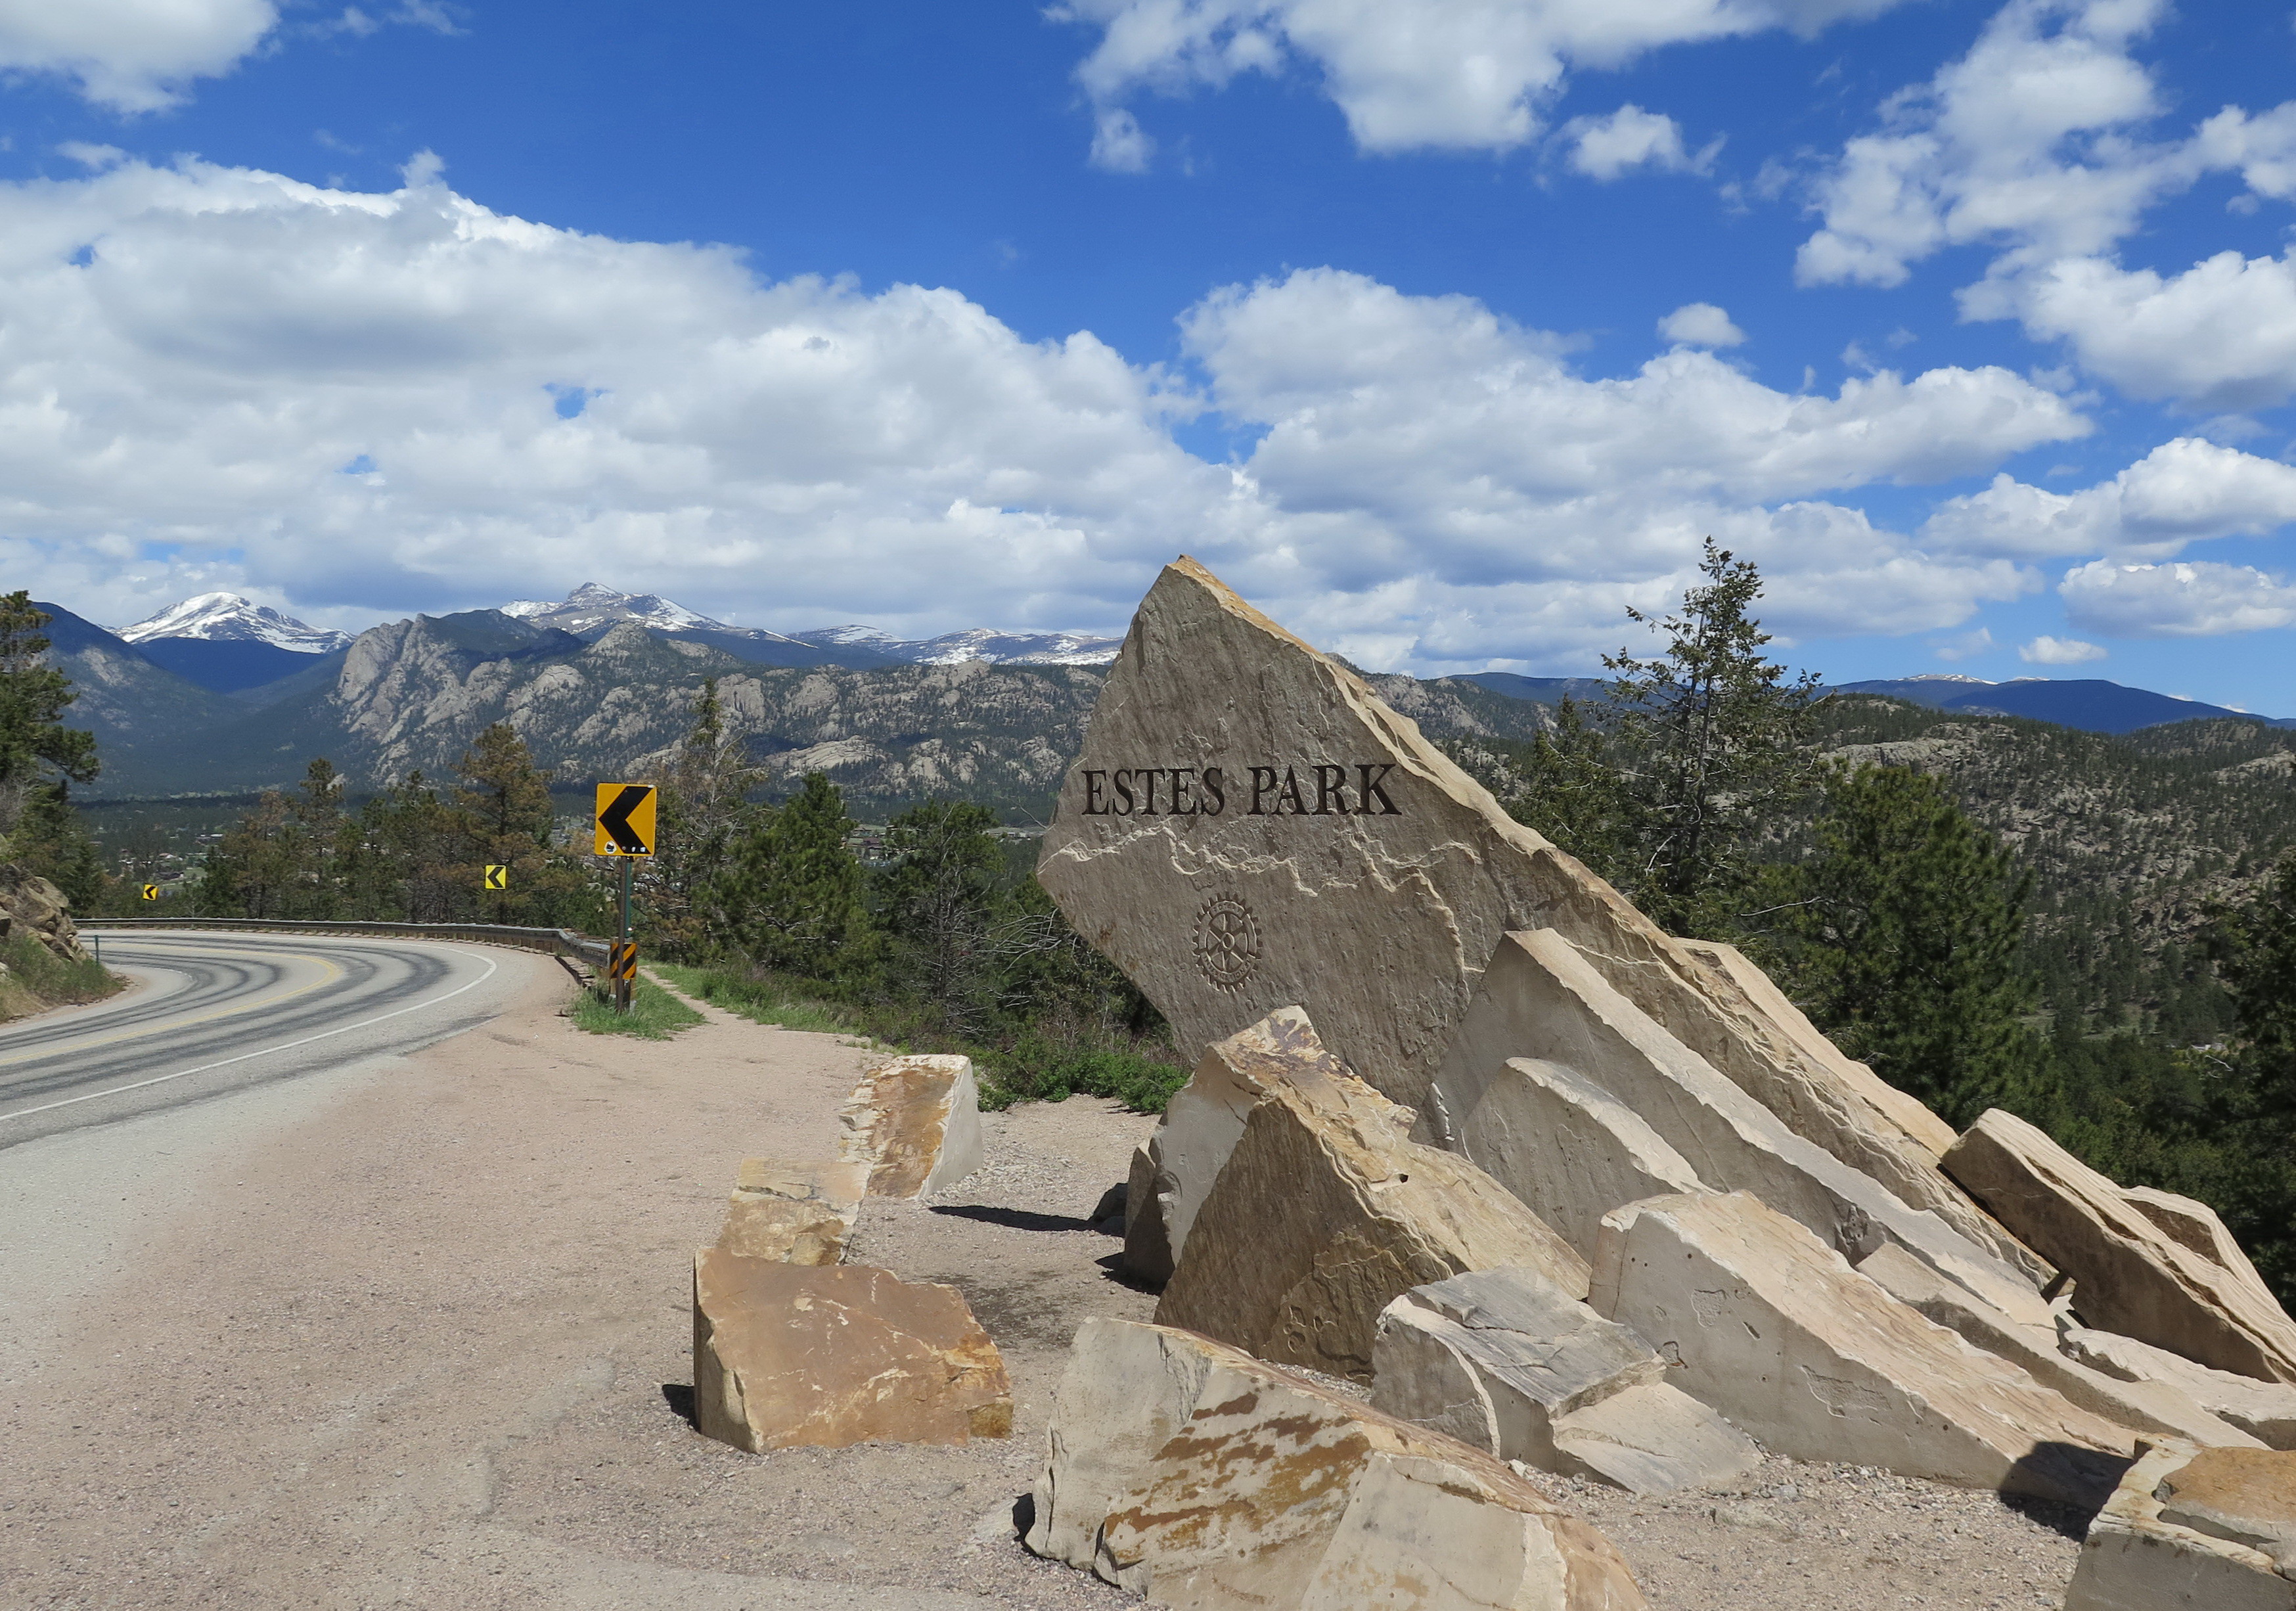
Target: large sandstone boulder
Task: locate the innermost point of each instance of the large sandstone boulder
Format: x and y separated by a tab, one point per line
1202	1478
2212	1528
1174	1170
1506	1361
1250	827
915	1122
1543	999
2164	1283
2265	1410
797	1212
1325	1210
1760	1319
32	908
787	1355
2157	1408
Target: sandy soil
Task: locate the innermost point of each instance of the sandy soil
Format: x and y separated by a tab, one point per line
427	1344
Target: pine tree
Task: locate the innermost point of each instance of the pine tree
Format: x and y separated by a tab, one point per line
1572	791
939	899
791	896
1908	919
503	805
1710	738
40	758
704	814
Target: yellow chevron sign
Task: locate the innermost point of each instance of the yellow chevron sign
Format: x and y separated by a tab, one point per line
497	877
150	891
625	819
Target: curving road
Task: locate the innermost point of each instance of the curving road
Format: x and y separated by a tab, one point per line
211	1012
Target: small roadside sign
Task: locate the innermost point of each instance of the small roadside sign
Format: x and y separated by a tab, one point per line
497	877
622	972
150	891
625	819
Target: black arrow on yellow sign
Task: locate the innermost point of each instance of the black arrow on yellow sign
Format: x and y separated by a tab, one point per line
497	877
625	819
150	891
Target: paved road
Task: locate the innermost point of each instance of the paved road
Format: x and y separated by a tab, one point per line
213	1013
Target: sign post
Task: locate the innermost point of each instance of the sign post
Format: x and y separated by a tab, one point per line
624	825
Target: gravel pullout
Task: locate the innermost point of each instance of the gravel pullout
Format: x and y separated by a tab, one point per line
427	1343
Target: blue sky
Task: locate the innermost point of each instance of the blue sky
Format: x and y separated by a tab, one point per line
1444	331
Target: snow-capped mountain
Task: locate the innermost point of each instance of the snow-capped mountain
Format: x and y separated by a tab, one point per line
227	618
590	606
979	642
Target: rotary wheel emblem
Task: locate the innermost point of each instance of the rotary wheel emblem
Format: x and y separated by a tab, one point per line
1227	942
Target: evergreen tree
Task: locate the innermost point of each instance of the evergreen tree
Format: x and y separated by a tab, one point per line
1908	919
704	820
40	758
1571	791
1710	738
504	807
939	899
792	897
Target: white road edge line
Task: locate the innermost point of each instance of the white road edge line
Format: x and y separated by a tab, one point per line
119	1090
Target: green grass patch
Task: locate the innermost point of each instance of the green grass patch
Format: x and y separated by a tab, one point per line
655	1014
760	1000
53	981
1033	1069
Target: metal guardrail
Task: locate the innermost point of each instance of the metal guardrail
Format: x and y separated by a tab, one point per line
559	943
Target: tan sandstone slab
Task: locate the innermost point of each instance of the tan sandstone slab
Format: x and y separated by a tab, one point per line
1176	1166
2135	1276
1763	1322
2213	1529
799	1213
1202	1478
915	1121
790	1356
2156	1408
1250	826
1543	998
2265	1410
1506	1362
1325	1210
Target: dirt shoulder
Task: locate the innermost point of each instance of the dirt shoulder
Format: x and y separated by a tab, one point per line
423	1340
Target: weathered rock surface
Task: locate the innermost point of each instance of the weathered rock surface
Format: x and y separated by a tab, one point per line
1568	1148
2135	1276
2265	1410
2206	1528
1760	1319
797	1212
1205	1479
787	1355
1175	1167
1542	997
32	908
2152	1407
915	1121
1326	1210
1508	1363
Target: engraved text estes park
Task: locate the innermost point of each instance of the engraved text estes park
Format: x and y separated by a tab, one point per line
1321	789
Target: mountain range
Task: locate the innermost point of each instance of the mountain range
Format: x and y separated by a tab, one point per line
217	695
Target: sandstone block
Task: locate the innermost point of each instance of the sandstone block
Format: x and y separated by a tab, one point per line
1543	998
1568	1148
1202	1478
797	1212
1185	1152
2265	1410
787	1355
915	1121
2212	1527
1508	1363
2137	1276
2142	1407
1758	1320
1325	1210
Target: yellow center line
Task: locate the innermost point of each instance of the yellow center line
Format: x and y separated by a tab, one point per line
169	1026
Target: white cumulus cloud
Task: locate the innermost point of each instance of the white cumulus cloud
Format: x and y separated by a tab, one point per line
131	55
2183	491
2190	598
1462	74
1701	325
2046	651
1628	138
2222	334
351	402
